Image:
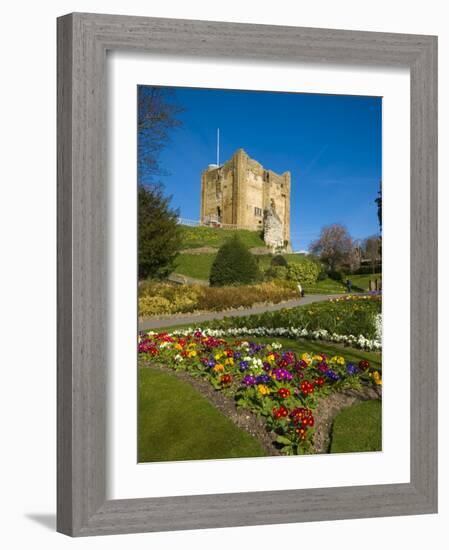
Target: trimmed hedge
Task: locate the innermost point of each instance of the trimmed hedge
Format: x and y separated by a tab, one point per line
234	264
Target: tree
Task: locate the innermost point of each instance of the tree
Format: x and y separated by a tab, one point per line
234	264
159	233
335	247
371	248
158	115
378	201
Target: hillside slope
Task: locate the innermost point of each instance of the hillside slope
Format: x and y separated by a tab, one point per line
197	237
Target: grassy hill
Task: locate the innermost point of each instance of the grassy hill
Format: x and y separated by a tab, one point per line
198	265
197	237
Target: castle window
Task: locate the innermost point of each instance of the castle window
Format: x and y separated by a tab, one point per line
257	211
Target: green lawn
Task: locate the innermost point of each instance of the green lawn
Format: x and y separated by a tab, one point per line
177	423
196	237
358	428
360	283
194	265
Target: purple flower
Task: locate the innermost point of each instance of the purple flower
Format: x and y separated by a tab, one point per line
243	365
282	374
249	380
352	369
263	379
332	375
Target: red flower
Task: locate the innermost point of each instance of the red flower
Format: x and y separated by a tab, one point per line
306	387
280	412
284	393
319	381
364	364
225	379
302	417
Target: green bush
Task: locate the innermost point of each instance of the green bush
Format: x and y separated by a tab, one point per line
234	264
164	298
278	272
368	270
336	275
305	272
279	260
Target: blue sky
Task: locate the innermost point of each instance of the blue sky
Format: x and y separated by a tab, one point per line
330	144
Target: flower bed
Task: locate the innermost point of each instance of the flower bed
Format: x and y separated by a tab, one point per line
164	298
278	385
350	318
359	341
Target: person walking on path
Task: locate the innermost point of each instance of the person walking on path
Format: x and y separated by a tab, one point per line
348	285
300	290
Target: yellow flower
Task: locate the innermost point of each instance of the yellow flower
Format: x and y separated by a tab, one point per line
178	346
218	355
229	361
218	367
270	357
192	353
306	357
338	359
377	378
263	389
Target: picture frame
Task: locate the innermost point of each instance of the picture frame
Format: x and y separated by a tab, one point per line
83	40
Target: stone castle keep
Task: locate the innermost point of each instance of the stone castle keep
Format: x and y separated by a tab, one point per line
242	193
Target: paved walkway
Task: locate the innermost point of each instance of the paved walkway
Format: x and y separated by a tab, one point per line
173	320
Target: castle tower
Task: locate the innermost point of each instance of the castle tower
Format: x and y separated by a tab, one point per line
241	191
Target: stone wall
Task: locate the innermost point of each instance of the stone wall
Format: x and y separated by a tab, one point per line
273	230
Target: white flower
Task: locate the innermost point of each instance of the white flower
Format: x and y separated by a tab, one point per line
290	332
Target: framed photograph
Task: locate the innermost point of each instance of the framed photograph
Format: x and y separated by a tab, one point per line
247	274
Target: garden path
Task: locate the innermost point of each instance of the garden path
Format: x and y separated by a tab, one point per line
182	319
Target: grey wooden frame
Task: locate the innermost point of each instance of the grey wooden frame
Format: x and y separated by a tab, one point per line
83	40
